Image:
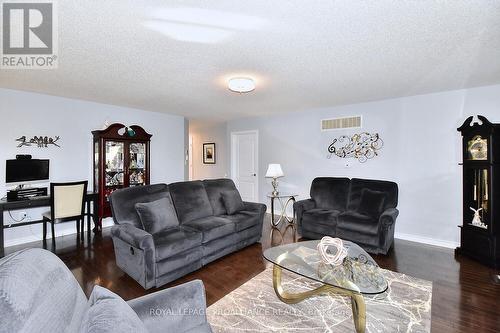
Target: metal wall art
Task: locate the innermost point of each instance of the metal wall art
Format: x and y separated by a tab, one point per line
362	146
39	141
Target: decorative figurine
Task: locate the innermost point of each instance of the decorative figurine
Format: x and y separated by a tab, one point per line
476	220
336	258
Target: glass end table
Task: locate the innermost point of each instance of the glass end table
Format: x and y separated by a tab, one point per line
284	199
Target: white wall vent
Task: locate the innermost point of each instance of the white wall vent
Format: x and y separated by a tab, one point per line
341	123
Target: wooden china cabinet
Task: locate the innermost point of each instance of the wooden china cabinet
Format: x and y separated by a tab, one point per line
480	230
121	159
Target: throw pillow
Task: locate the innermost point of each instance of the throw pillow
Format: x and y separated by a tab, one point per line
157	215
371	203
108	312
232	201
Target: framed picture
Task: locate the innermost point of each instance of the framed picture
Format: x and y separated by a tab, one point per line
209	153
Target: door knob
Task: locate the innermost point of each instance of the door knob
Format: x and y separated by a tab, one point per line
254	174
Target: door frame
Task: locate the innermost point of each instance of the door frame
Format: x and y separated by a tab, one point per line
234	134
190	158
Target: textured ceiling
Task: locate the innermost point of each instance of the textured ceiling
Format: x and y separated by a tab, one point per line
175	56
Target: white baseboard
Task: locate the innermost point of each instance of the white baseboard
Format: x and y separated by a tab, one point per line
427	240
33	238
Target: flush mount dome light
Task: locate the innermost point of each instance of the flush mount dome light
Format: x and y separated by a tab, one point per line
241	84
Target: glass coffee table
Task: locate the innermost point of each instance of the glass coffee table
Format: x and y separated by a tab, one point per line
359	275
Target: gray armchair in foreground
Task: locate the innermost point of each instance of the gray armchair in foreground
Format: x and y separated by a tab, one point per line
360	210
38	293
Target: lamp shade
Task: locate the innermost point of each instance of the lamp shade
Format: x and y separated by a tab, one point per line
274	171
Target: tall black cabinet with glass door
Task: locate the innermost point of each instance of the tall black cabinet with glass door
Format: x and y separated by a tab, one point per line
121	159
480	229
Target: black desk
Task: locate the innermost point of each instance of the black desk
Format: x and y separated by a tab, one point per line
34	202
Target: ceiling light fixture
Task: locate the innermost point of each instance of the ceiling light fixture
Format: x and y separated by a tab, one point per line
241	84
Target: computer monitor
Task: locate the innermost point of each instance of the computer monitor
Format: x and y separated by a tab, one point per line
26	170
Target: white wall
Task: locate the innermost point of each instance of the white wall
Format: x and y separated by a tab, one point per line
205	133
32	114
421	153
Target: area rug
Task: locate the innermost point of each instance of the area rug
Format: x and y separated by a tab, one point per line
254	307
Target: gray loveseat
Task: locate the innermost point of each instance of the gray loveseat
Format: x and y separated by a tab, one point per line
206	231
360	210
38	293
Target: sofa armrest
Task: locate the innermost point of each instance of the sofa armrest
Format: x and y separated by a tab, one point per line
135	253
388	218
299	208
254	206
177	309
304	205
134	236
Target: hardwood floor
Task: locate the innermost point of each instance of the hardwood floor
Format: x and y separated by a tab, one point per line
465	298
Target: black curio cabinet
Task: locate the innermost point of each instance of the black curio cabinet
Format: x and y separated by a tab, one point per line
121	159
480	229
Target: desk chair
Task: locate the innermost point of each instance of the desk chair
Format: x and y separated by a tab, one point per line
67	203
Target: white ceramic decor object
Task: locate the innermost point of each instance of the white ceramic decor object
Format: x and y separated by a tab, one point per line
336	257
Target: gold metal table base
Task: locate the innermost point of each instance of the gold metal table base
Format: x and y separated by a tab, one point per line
357	300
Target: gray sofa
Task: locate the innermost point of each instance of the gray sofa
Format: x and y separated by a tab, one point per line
38	293
205	232
360	210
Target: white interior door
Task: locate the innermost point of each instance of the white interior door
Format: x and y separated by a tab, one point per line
244	164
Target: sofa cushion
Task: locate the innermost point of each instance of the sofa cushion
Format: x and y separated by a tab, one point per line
319	229
171	242
330	192
212	227
371	203
190	200
110	313
214	188
232	201
358	228
357	185
187	261
357	222
157	215
244	219
123	202
326	217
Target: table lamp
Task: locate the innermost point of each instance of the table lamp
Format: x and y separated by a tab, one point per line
274	171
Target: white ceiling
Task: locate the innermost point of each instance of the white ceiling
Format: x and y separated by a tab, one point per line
175	56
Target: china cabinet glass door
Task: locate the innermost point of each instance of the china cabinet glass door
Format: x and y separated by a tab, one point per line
477	196
137	164
114	172
96	165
